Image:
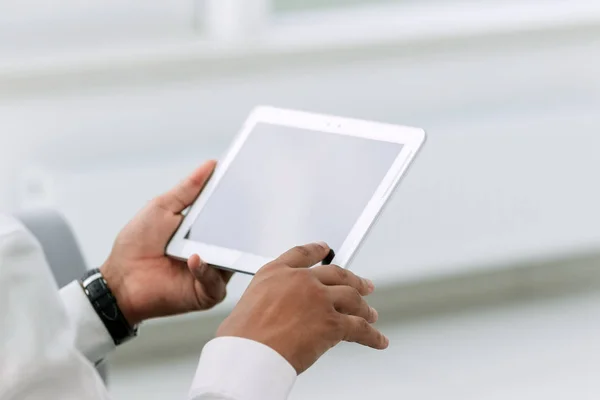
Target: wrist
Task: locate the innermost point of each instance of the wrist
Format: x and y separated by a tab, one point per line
116	282
105	304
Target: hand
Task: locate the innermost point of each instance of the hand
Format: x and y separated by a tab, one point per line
145	282
301	313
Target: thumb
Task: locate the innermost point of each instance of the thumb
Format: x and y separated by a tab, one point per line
183	195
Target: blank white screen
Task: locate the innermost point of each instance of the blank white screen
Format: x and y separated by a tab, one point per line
289	186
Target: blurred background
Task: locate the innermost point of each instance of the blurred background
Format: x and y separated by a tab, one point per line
488	258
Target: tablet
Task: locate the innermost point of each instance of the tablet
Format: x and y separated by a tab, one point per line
291	178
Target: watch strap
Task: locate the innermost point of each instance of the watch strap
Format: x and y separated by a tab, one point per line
105	304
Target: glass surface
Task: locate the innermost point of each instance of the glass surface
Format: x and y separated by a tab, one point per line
290	186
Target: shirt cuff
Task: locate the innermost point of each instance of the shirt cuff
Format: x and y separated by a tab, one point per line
92	337
242	369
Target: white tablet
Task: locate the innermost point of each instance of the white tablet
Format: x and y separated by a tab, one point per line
292	178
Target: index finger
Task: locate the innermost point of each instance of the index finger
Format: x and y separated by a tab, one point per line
332	275
304	256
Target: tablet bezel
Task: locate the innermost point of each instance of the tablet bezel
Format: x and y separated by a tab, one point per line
232	259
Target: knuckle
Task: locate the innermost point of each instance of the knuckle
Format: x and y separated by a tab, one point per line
156	201
356	296
341	273
353	298
304	274
267	267
266	270
320	294
303	278
363	325
301	250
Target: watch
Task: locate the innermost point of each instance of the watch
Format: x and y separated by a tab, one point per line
105	304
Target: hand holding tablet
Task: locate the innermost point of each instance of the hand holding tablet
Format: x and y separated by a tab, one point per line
290	178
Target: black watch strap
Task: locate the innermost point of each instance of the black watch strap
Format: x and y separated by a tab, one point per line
105	304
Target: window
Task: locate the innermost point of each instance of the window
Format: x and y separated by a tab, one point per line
33	26
75	27
285	6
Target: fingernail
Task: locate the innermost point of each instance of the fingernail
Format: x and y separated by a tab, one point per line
200	269
370	285
386	341
323	245
374	315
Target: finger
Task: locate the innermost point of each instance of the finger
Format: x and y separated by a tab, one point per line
347	300
183	195
358	330
194	262
226	275
304	256
332	275
212	281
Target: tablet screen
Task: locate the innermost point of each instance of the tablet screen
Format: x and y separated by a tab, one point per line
290	186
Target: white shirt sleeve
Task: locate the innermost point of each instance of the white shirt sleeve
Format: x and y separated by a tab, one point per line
39	354
233	368
91	336
48	341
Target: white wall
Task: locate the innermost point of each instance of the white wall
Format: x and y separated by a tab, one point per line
537	350
511	140
491	336
506	177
